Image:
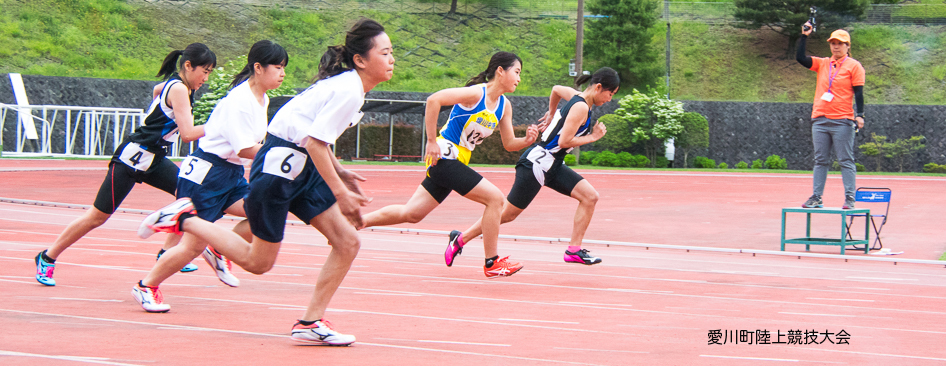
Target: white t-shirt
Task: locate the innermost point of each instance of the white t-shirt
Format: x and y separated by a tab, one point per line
323	111
236	123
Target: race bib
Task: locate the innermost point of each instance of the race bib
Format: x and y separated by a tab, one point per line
447	149
136	157
827	97
284	162
542	161
194	169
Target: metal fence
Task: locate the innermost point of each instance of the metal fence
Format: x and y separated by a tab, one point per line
72	131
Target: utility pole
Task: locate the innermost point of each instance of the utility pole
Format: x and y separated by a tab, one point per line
667	16
579	41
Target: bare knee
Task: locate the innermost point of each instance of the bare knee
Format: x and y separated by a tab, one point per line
413	217
347	248
259	267
96	218
589	198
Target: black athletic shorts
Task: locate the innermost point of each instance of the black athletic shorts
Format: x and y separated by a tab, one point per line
559	178
450	175
121	178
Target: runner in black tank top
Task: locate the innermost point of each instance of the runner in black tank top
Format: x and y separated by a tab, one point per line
142	157
542	165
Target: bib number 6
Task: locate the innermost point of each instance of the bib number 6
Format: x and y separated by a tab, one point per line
284	162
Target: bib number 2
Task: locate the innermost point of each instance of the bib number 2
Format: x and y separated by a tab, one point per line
284	162
541	163
136	157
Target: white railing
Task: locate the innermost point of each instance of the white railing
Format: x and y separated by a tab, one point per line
84	131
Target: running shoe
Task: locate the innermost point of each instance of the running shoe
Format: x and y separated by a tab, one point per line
454	248
44	270
190	267
165	219
502	268
150	298
813	202
848	203
581	256
320	333
221	265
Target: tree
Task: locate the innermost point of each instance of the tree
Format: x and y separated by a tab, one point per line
875	148
787	16
621	40
902	149
652	120
695	134
619	133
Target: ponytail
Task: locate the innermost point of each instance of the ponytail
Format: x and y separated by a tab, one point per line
265	53
606	76
506	60
197	53
358	41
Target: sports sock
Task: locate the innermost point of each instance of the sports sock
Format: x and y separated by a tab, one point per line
160	252
460	240
490	261
47	259
180	220
573	248
306	323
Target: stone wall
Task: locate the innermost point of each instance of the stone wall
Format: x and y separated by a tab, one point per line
739	131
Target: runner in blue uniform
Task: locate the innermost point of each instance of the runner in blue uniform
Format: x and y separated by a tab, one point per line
295	171
141	158
542	164
212	176
478	108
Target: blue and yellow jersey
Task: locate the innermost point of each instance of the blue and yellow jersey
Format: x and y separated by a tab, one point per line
467	128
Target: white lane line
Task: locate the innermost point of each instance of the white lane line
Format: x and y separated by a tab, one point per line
881	354
538	321
588	350
591	303
97	360
745	272
837	315
822	298
184	327
386	294
751	358
861	288
77	299
2	280
882	278
287	308
466	343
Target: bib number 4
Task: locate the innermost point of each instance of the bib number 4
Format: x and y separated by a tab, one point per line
136	157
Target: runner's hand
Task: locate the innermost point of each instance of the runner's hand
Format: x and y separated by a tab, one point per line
532	133
599	131
544	122
351	180
350	204
433	153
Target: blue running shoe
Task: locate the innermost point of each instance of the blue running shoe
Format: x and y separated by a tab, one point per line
44	270
190	267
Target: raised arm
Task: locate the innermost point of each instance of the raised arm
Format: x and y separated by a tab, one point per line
466	96
559	92
179	100
508	134
800	55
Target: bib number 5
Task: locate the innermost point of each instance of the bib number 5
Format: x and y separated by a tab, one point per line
194	169
284	162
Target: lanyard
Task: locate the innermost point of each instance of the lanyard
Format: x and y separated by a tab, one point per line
831	77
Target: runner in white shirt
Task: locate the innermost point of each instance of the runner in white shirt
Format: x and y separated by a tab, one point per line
212	177
295	171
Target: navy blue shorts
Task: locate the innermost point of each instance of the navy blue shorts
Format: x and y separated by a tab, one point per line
221	187
283	179
559	178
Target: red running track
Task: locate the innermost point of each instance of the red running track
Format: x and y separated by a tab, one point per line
638	307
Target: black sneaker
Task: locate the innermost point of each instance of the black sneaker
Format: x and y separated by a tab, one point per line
813	202
848	203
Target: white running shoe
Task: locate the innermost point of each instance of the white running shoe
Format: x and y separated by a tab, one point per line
320	333
165	219
150	299
221	265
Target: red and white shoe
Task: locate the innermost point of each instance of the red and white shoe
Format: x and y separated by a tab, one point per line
150	298
221	265
502	268
320	333
165	219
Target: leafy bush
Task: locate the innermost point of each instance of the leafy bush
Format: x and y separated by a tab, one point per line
587	157
775	162
570	160
757	164
934	168
860	167
742	165
625	159
723	166
704	162
640	161
661	162
606	158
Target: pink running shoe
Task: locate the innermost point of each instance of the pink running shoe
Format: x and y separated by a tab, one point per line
454	247
581	256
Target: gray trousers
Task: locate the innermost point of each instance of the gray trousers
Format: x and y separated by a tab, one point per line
839	135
